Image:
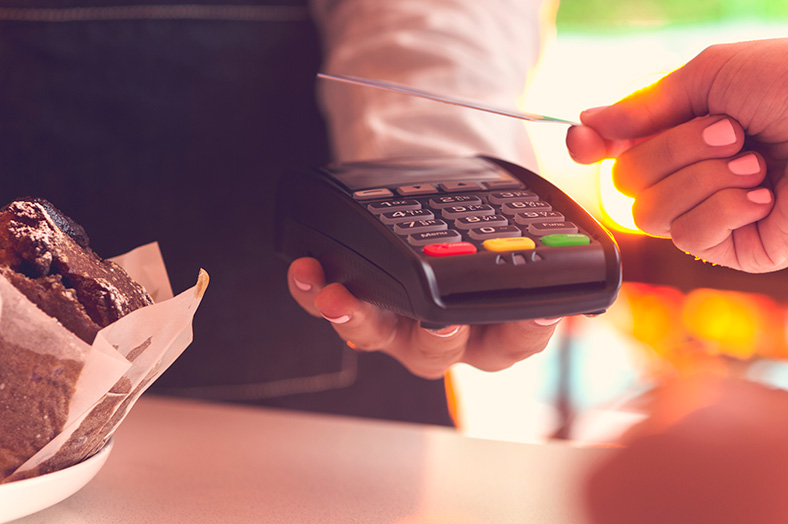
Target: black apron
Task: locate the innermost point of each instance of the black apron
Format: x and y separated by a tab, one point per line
171	123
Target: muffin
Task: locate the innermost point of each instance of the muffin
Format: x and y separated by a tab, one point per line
46	257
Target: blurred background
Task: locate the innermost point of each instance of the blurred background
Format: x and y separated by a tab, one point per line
675	316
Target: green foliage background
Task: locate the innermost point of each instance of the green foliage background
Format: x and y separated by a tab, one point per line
623	15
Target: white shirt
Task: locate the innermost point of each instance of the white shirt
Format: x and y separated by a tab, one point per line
478	50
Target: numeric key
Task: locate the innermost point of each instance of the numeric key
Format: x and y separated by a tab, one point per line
405	215
388	206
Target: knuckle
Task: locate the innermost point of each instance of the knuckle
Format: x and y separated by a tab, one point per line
524	353
536	344
440	355
672	150
364	340
713	53
431	364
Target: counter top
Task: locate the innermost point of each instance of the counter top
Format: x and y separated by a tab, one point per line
179	461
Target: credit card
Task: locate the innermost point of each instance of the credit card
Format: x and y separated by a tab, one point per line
388	86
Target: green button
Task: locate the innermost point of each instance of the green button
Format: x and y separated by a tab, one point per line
563	240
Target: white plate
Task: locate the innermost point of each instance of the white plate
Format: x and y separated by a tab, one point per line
25	497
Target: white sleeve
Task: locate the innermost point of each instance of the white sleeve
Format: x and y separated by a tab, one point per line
477	50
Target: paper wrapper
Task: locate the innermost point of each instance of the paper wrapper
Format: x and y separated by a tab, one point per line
65	397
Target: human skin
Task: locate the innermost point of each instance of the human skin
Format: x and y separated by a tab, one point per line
704	153
425	353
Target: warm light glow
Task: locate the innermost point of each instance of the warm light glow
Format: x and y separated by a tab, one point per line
653	315
616	207
729	320
688	329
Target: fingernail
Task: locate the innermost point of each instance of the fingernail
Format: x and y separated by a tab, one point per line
760	196
720	133
745	165
338	320
445	332
547	321
303	286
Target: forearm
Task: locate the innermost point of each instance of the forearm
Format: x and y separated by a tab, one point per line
465	48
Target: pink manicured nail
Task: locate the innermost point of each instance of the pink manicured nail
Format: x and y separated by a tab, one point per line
547	321
303	286
445	332
338	320
745	165
760	196
719	134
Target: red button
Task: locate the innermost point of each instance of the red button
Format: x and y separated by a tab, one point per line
449	249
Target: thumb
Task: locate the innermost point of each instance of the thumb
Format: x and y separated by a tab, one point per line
672	100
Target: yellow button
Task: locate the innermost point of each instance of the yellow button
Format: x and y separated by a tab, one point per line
509	244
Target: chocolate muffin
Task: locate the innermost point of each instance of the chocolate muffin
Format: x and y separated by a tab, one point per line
46	256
